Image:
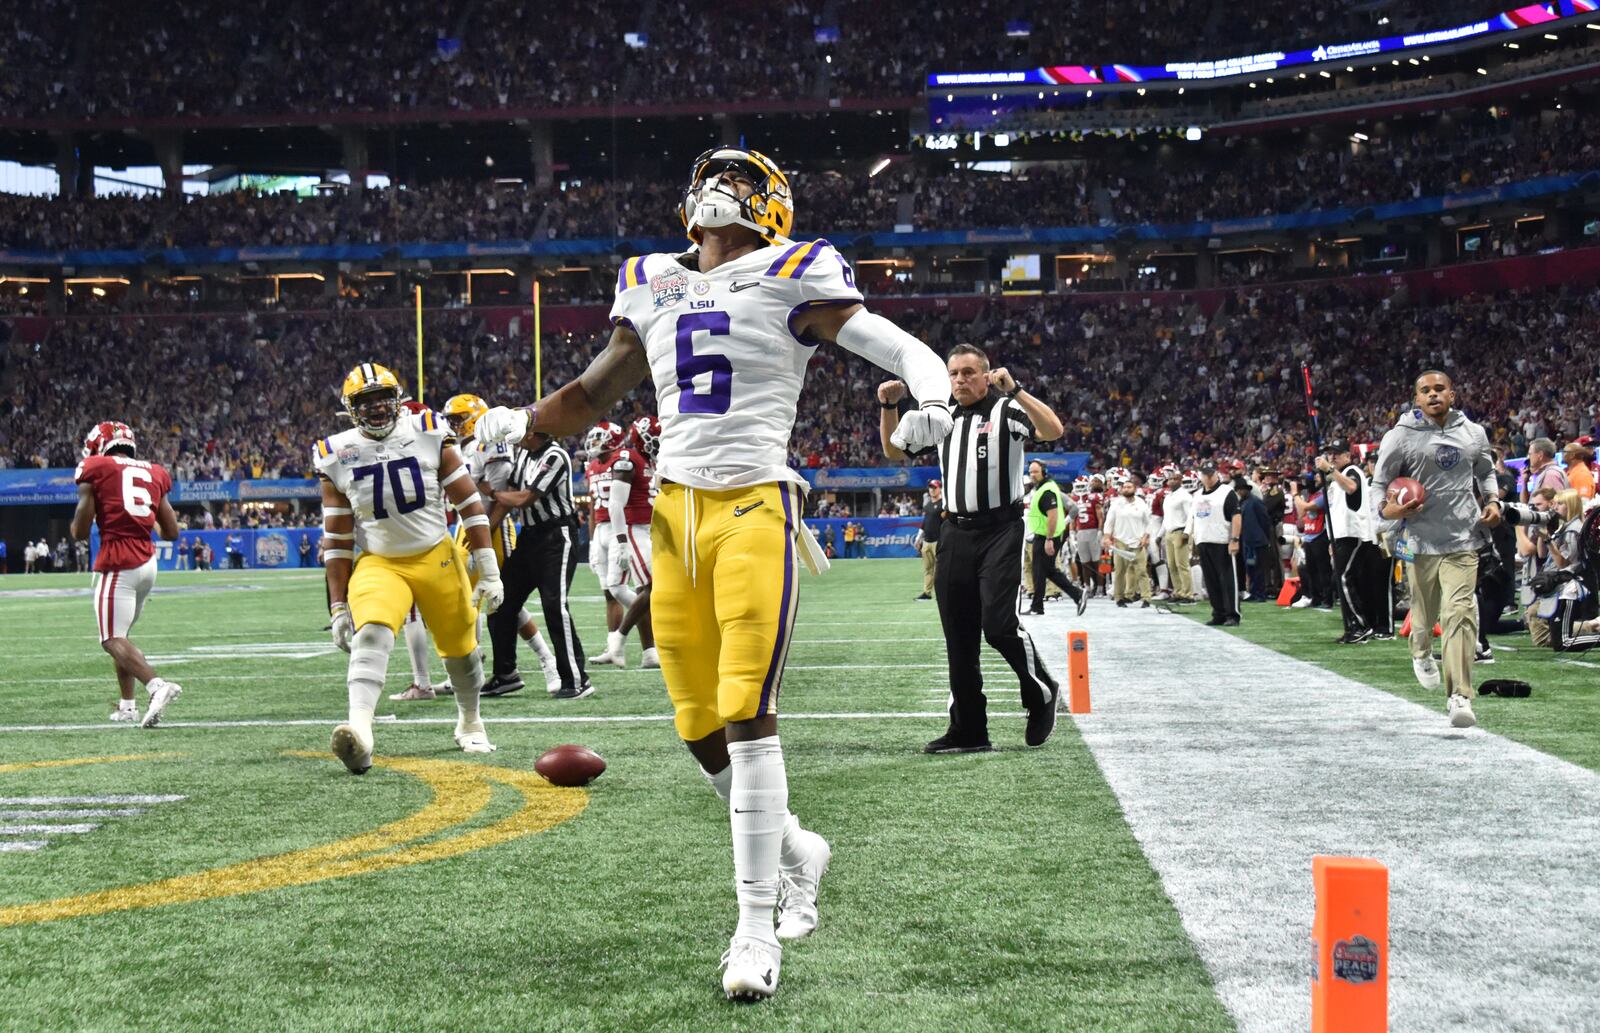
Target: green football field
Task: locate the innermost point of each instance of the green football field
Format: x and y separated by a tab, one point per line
222	872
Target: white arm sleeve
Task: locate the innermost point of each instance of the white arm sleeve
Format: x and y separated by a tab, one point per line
620	490
879	341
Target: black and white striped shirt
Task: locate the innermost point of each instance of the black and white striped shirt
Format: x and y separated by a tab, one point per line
548	473
982	460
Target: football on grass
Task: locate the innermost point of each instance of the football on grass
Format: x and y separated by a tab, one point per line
570	765
1405	490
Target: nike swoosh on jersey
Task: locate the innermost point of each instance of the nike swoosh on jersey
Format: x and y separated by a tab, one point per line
737	287
740	511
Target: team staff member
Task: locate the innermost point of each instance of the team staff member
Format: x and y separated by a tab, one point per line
1048	520
1449	454
541	487
979	565
1175	508
1357	560
1214	526
1128	528
928	537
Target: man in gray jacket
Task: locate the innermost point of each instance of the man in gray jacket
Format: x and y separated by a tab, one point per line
1449	454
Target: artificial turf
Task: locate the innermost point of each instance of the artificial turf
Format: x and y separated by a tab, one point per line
998	891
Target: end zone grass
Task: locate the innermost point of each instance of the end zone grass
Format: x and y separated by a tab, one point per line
1001	891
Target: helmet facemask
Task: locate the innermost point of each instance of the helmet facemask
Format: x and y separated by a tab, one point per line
375	411
712	201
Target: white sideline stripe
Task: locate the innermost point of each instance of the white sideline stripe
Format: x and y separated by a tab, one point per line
25	830
1234	765
47	801
85	812
399	678
20	846
386	721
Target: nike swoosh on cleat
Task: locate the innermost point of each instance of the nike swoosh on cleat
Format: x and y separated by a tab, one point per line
740	511
767	979
734	288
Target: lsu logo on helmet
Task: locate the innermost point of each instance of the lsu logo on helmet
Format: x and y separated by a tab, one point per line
462	412
371	397
713	201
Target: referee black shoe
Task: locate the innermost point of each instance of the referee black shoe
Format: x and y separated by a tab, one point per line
948	743
1041	722
502	685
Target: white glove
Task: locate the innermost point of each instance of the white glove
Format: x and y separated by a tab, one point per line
488	593
344	626
617	572
502	426
923	428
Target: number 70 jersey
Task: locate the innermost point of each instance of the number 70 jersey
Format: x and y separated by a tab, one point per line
392	483
727	364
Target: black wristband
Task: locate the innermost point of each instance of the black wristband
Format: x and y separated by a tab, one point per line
888	405
1014	392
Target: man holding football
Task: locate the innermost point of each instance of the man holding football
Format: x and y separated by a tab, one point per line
1435	444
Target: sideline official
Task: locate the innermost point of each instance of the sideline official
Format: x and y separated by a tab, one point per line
1214	526
978	569
1049	517
543	561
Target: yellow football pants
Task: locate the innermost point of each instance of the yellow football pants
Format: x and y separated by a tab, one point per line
502	539
383	589
724	600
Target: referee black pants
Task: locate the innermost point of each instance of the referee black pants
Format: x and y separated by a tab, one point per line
1349	564
1316	573
1044	568
977	575
542	562
1222	580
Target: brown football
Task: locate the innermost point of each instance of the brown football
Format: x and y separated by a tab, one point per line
1405	490
570	765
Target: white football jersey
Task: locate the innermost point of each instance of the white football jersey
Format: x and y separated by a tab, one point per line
392	484
727	366
491	463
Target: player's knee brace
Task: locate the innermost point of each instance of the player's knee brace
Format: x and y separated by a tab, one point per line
465	671
369	653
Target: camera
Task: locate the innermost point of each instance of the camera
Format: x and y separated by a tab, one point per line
1523	515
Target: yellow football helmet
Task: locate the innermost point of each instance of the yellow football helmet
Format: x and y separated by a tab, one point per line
371	396
462	412
769	210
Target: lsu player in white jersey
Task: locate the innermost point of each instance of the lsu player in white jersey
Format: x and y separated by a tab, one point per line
384	482
726	332
490	469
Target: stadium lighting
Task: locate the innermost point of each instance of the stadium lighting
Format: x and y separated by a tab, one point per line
1514	46
1192	133
1252	86
1325	74
878	166
1180	91
1483	71
1359	137
1141	91
1594	25
1415	61
1551	35
1088	93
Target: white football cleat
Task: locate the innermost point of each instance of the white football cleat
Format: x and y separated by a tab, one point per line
124	716
650	660
615	653
552	674
415	692
349	748
1427	671
1300	603
474	741
797	889
750	969
162	692
1459	708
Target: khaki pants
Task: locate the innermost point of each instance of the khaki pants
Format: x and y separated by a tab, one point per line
929	550
1130	577
1443	592
1178	556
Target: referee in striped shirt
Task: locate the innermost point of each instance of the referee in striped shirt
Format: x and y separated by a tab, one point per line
543	561
978	569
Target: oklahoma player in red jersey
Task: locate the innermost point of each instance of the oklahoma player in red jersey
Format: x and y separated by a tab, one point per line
127	497
630	506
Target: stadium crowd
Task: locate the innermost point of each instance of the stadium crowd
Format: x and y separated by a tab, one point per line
1460	152
214	58
241	397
